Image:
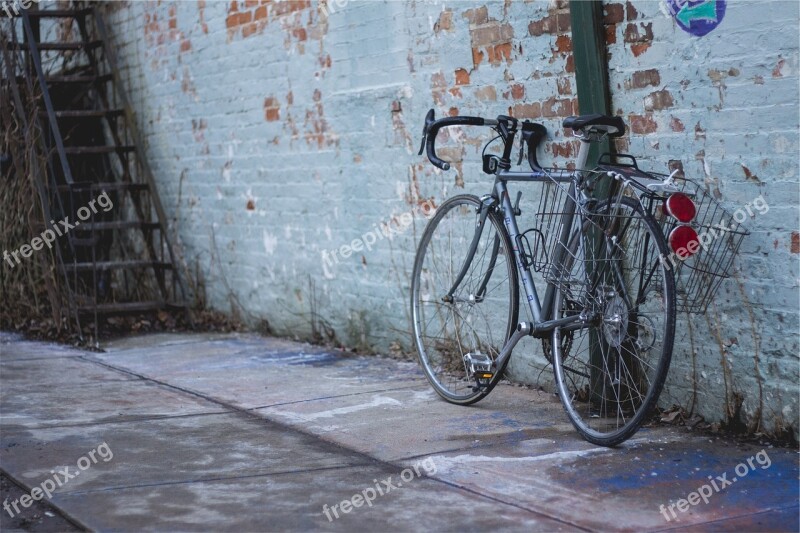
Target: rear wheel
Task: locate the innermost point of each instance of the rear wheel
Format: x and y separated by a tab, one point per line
474	323
610	372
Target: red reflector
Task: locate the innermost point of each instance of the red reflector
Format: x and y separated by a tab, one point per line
681	207
683	241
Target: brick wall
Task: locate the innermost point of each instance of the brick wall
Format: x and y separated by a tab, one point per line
281	130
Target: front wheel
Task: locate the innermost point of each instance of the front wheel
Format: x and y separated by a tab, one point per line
454	332
610	370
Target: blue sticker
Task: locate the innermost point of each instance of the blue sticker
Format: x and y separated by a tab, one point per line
697	17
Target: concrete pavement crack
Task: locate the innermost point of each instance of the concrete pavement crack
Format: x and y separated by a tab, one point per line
339	446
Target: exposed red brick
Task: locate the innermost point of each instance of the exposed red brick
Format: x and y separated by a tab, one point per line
456	92
658	100
563	44
795	242
639	48
565	149
453	112
260	13
491	33
556	107
642	124
552	23
244	17
611	34
290	6
251	205
644	78
564	86
462	77
613	13
676	125
477	16
633	35
532	110
570	66
563	22
300	34
630	11
272	109
186	45
445	22
499	53
477	57
518	91
249	29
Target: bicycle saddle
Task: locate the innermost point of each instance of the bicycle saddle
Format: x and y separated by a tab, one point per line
613	126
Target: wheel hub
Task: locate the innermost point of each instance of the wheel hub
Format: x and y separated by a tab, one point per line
615	321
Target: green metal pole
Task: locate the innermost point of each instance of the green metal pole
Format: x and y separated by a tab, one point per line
591	65
594	96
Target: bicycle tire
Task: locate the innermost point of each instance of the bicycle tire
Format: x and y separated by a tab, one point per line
577	375
459	391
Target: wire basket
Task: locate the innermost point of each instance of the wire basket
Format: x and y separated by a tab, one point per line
720	235
697	278
568	266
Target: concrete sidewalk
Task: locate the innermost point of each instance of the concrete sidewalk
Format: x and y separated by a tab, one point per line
239	432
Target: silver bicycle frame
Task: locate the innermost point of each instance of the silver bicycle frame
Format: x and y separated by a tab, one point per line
543	320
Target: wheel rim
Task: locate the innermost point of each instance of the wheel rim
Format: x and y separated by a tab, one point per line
446	331
610	373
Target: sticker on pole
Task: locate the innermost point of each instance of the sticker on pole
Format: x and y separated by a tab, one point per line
697	17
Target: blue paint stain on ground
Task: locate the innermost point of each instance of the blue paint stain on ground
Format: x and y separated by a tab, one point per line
671	475
698	17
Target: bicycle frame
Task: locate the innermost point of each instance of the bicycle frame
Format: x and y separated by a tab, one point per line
544	321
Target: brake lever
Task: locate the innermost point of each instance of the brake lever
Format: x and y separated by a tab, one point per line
430	118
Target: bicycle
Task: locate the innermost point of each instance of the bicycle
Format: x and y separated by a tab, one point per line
607	320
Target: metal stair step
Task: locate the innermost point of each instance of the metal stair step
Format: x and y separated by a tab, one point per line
78	78
117	265
82	113
76	45
82	150
59	13
115	224
122	308
104	186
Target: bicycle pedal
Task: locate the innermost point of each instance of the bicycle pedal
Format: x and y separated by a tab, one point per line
482	380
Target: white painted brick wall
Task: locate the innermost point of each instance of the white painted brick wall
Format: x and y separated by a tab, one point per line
277	133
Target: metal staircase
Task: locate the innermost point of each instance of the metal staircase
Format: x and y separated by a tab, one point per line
116	260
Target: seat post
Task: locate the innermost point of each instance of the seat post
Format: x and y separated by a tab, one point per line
583	153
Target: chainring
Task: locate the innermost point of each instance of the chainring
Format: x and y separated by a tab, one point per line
566	337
